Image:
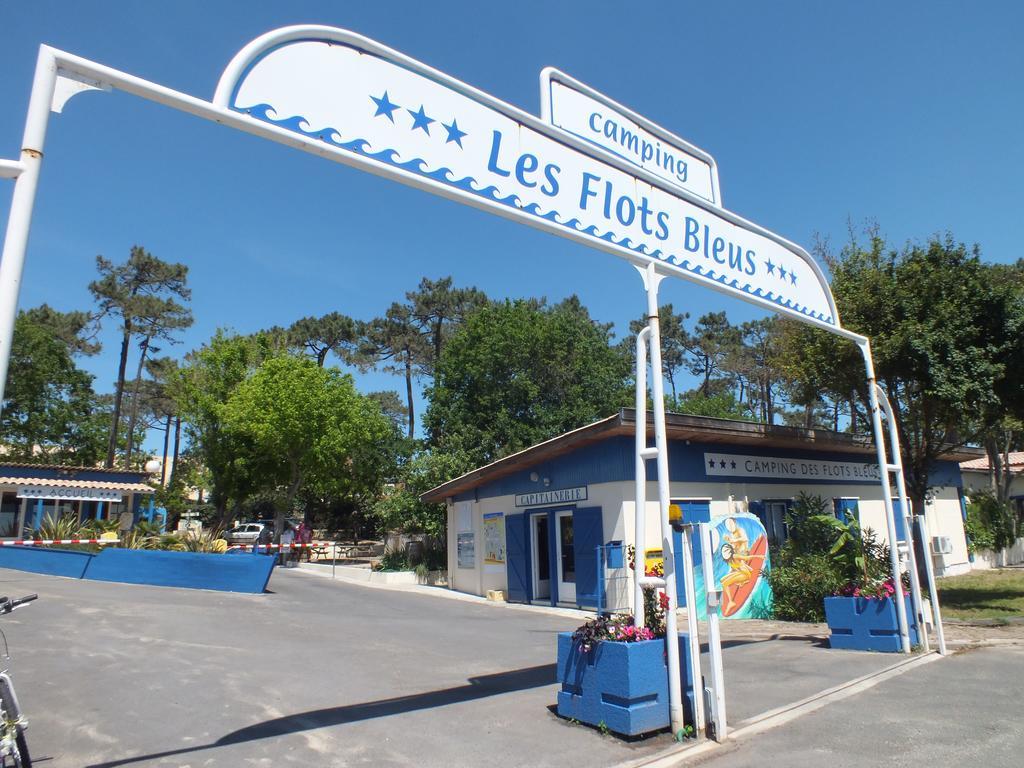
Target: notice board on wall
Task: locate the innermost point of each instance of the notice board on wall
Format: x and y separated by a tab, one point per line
494	541
466	550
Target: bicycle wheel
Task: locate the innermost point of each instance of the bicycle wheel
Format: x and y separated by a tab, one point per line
26	761
9	708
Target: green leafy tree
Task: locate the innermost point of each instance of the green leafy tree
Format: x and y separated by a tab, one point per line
518	372
142	295
201	390
439	308
942	332
49	409
400	510
723	405
754	361
76	329
333	332
713	341
308	424
675	342
161	405
391	405
1000	425
396	342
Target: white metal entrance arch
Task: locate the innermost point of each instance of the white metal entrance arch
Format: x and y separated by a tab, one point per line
337	94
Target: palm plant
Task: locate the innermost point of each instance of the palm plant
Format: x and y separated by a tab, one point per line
64	527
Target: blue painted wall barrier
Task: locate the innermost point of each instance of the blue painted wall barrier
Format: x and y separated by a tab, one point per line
52	562
623	685
189	570
867	624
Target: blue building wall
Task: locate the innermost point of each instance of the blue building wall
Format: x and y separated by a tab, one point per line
612	460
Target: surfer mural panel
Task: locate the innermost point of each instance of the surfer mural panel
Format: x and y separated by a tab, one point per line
739	545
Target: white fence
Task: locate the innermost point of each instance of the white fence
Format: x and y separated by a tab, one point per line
1011	555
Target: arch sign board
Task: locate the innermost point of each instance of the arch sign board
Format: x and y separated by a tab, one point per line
391	114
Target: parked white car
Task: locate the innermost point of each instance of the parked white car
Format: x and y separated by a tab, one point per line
247	533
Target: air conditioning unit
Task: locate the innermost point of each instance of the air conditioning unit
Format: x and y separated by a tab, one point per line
942	545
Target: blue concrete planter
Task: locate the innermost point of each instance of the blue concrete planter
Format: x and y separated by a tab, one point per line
52	562
867	624
623	686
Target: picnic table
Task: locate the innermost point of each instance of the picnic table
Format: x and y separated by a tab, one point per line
343	550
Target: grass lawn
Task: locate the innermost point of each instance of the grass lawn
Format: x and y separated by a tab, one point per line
995	594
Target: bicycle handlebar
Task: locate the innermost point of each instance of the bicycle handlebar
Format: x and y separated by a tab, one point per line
7	605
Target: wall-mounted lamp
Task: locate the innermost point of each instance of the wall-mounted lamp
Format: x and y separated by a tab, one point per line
534	477
547	481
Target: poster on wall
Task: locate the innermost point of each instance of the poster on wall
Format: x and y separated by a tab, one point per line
467	550
494	541
739	546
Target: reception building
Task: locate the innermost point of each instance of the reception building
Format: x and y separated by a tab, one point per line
536	524
31	492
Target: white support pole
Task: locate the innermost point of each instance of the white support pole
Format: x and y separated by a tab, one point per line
929	571
640	496
651	280
890	521
907	513
718	714
19	220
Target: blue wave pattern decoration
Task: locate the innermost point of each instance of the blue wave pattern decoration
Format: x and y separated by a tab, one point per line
444	175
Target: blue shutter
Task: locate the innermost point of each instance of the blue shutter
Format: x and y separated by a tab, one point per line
588	535
692	510
757	508
901	523
517	562
846	510
677	559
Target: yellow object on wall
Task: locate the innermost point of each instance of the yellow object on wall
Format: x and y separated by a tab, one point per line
654	562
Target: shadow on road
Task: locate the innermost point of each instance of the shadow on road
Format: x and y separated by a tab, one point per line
476	688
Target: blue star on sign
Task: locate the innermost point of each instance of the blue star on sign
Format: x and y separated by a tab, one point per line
792	277
782	272
454	134
420	120
722	463
733	463
384	106
771	267
711	463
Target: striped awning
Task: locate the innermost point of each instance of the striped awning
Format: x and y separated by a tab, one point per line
72	490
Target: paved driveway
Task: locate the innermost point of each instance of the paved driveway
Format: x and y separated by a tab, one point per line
963	711
323	673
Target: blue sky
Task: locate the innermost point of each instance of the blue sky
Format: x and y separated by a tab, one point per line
905	113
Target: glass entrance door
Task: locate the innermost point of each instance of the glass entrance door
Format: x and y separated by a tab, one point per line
775	522
566	557
539	557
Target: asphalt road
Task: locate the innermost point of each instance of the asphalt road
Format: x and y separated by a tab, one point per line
323	673
965	710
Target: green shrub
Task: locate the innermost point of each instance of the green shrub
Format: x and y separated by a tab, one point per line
94	528
989	524
394	560
435	557
800	586
823	556
63	527
810	524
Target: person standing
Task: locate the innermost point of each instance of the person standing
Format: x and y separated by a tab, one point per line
287	539
303	536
